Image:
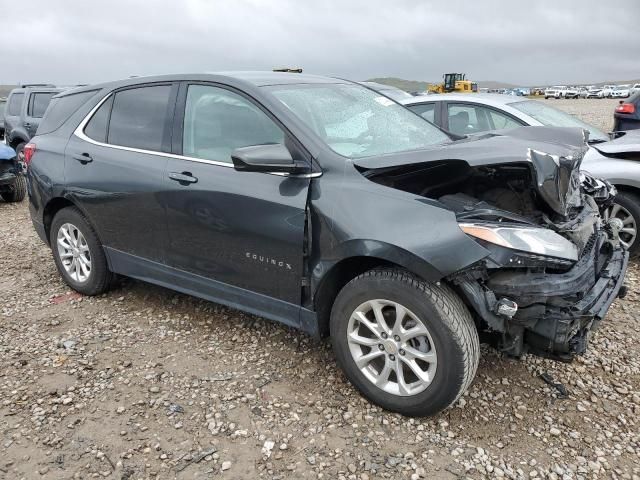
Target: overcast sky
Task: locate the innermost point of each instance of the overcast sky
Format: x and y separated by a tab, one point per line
534	42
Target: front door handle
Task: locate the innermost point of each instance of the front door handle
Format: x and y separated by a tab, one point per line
184	178
27	124
83	158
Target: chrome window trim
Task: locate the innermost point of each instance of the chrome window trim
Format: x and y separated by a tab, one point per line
79	132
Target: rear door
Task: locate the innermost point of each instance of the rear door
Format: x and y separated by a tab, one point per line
114	168
240	228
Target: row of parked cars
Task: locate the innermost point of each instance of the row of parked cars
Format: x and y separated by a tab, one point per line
606	91
402	232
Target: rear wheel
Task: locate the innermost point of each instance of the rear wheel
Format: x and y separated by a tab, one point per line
17	191
78	253
626	207
405	344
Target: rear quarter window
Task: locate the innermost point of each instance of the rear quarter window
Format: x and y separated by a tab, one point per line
61	108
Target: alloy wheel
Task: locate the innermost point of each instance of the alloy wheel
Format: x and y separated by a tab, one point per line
73	251
392	347
629	230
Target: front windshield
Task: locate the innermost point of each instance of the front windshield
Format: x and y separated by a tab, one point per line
552	117
356	122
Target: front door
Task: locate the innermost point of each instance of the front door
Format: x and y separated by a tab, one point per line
114	169
243	229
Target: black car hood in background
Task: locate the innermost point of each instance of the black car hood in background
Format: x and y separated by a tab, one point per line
554	154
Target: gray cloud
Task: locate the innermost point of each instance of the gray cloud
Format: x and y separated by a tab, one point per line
578	41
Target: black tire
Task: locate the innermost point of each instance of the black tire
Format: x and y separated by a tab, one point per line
17	191
450	325
631	202
100	278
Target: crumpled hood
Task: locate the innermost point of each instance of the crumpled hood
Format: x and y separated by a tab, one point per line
554	154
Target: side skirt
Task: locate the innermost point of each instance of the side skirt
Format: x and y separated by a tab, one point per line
212	290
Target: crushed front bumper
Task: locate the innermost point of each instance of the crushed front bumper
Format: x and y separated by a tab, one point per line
556	311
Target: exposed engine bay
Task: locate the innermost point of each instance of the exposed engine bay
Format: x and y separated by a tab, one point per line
554	267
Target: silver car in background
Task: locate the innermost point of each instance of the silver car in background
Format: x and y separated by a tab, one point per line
612	160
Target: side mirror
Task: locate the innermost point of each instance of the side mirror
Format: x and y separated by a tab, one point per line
269	158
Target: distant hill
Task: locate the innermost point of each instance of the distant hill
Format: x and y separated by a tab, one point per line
619	82
5	89
419	86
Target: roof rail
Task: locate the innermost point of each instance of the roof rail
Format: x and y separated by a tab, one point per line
288	70
25	85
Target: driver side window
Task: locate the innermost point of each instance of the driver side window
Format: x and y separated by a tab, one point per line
217	121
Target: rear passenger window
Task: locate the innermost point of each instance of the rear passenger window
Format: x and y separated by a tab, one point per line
217	121
38	103
96	129
139	116
15	104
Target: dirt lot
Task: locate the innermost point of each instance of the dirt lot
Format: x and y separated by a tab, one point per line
146	383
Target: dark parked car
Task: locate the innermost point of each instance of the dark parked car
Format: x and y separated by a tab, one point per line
13	185
321	204
627	114
25	107
3	104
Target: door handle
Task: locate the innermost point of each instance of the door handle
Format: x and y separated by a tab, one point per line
184	178
27	124
83	158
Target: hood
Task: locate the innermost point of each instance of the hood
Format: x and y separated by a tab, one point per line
629	142
6	153
554	155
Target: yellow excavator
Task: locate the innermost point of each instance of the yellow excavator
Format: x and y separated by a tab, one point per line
454	82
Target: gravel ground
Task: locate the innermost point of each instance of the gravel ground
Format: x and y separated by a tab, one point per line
146	383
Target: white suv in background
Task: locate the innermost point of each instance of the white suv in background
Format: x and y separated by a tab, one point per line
635	88
556	91
607	91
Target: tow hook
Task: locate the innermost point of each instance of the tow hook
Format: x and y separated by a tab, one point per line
507	308
623	291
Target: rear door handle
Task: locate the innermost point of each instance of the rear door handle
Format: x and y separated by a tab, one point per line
83	158
27	124
183	178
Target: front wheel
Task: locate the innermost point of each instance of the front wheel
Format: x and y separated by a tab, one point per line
626	207
405	344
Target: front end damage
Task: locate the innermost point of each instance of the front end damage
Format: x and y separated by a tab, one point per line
554	266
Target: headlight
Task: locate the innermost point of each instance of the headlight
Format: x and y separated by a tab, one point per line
539	241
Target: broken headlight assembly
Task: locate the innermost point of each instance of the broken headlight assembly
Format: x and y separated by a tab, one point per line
523	246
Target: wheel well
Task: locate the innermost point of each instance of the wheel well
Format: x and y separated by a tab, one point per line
628	189
339	275
15	142
53	207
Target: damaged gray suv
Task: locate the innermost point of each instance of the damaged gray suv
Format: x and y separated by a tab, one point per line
326	206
